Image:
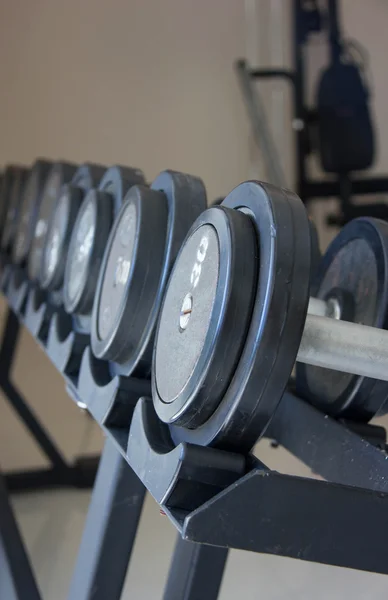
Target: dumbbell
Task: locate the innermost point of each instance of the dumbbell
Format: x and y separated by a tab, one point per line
234	317
7	181
142	246
59	174
60	226
351	285
314	240
88	240
15	180
29	208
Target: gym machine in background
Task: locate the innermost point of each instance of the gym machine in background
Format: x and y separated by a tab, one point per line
338	128
185	358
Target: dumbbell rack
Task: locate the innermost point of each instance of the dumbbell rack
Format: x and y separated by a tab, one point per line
217	499
79	474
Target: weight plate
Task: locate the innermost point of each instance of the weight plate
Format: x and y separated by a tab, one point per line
130	274
117	180
95	219
184	198
5	193
277	321
354	272
316	255
19	178
204	318
88	176
61	224
59	230
32	196
86	249
59	174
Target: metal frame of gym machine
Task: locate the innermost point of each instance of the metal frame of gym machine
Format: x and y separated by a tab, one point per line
345	186
215	499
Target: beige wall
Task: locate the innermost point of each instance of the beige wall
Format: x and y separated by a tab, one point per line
147	83
151	83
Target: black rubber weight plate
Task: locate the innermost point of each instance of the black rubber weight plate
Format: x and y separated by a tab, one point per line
9	175
6	185
59	174
204	317
130	274
88	176
316	255
354	270
85	256
58	237
31	198
117	271
13	210
117	181
277	321
87	245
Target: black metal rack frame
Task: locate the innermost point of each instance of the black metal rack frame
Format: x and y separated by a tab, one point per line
215	499
81	473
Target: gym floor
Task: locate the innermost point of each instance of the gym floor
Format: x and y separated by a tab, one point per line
52	521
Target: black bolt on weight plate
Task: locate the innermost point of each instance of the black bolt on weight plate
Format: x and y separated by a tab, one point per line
59	174
19	178
354	273
29	209
89	238
141	249
276	324
205	317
